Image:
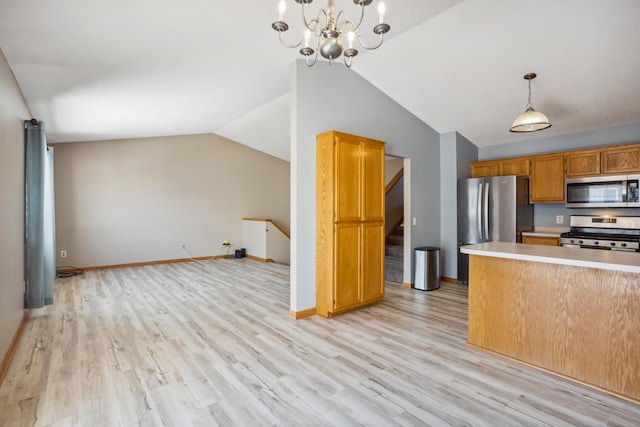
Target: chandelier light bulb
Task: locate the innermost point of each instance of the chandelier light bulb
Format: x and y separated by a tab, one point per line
381	11
307	38
331	29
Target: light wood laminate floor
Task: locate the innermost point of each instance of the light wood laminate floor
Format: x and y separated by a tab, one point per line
210	343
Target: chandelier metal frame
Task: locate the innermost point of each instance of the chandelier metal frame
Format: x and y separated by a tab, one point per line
329	28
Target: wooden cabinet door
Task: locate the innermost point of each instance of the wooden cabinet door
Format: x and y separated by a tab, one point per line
346	292
518	167
621	160
372	261
482	169
582	163
538	240
348	179
373	181
547	179
349	222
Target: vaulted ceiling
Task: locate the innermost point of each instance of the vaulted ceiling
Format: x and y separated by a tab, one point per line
121	69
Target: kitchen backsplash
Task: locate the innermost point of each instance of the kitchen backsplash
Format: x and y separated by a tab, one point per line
545	215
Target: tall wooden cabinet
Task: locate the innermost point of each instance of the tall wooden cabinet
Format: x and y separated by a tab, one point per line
349	222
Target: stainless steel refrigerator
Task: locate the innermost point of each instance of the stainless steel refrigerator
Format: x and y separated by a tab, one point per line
491	209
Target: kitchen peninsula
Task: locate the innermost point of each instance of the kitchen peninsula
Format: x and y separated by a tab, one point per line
571	311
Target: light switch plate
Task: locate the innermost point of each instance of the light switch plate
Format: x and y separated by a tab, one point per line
414	221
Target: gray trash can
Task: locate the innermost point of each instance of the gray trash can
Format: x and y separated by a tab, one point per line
427	268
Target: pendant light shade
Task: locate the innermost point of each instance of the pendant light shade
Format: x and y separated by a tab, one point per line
531	120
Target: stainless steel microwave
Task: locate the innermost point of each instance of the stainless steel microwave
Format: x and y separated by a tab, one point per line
619	191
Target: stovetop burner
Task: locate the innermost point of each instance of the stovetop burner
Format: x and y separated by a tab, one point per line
617	233
624	237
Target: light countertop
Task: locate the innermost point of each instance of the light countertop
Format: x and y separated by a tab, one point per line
546	232
592	258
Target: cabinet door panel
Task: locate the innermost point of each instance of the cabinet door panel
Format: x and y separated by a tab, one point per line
348	184
372	261
539	240
373	181
518	167
483	169
547	179
621	160
347	265
585	163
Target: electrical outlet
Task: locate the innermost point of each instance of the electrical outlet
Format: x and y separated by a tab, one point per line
63	254
559	219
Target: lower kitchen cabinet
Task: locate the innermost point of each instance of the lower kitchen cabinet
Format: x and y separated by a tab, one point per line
541	240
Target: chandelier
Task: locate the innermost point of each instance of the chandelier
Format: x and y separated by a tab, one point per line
326	33
531	120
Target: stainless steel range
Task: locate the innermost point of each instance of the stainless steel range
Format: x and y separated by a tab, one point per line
621	233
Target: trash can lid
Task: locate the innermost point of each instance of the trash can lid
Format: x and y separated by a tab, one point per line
428	248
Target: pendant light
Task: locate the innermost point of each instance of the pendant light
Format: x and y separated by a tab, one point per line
531	120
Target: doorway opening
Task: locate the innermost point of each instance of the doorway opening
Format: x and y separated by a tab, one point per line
397	212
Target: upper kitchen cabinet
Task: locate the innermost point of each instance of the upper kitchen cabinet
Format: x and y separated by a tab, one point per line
621	160
582	163
482	169
517	166
547	179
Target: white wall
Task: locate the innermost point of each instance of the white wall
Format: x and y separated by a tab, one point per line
278	245
13	112
254	238
128	201
327	97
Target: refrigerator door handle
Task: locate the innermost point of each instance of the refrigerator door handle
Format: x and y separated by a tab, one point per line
486	211
479	209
